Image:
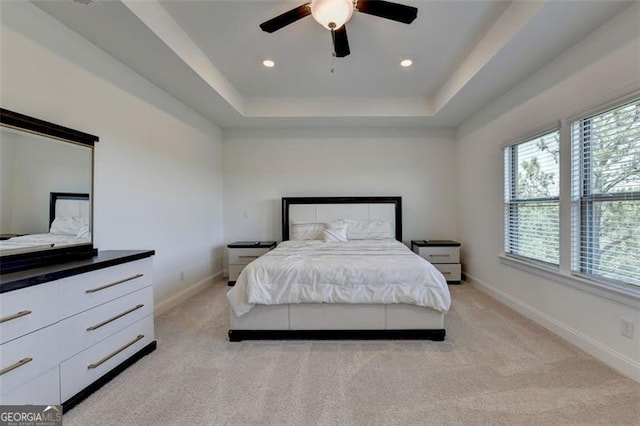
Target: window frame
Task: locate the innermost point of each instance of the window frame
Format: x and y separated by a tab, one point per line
619	292
583	199
512	202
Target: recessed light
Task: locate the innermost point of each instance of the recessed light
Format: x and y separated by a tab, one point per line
406	63
268	63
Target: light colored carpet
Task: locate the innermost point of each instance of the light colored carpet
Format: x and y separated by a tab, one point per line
495	367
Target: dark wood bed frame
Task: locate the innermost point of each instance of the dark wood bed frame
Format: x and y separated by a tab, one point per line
409	334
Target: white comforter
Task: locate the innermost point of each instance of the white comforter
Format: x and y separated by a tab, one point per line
380	272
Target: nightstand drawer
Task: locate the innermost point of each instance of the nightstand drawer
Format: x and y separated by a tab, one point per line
243	256
440	254
451	271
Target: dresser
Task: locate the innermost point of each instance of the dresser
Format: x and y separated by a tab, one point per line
443	254
67	329
241	253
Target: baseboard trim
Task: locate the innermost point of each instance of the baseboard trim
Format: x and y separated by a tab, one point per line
614	359
186	293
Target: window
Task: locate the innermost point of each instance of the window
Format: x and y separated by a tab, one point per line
532	199
606	195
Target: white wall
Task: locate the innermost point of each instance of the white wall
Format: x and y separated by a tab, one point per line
262	166
158	165
603	66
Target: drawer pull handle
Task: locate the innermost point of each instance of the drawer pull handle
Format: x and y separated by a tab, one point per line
248	257
105	322
18	364
114	353
14	316
93	290
439	255
446	273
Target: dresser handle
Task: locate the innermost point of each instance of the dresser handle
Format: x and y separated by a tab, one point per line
248	257
93	290
105	322
14	316
439	255
114	353
446	273
18	364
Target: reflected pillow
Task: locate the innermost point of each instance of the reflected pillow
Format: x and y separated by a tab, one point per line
306	231
68	225
369	229
83	233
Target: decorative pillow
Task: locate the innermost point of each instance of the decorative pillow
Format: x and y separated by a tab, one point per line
335	233
306	231
67	225
369	229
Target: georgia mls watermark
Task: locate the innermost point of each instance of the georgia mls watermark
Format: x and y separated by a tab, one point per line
30	415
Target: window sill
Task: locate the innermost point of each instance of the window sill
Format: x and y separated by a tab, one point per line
627	295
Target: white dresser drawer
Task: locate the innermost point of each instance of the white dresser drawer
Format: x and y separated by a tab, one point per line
85	329
85	291
440	254
28	309
81	370
41	390
451	271
243	256
27	357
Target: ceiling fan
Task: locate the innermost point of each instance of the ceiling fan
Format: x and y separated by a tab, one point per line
334	14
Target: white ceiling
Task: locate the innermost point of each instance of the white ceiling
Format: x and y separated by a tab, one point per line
208	55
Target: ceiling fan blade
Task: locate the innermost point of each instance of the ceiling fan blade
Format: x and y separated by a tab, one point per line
386	9
286	18
340	42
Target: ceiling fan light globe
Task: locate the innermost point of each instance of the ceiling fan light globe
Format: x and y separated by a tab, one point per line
328	12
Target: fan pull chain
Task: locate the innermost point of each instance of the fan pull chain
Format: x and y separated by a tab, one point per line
333	63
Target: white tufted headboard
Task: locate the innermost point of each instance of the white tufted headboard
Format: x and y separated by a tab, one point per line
326	209
69	204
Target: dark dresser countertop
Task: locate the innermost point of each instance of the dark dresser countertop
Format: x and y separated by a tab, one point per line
30	277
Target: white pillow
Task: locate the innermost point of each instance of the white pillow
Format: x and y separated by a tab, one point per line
335	233
67	225
369	229
83	232
306	231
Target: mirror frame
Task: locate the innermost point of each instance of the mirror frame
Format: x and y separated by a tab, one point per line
16	262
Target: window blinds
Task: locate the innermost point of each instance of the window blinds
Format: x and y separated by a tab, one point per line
606	194
532	198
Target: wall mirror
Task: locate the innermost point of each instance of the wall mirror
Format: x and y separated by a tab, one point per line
46	192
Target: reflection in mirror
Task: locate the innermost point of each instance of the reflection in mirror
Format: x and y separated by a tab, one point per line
45	193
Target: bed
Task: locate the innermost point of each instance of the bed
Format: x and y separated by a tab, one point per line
278	297
69	224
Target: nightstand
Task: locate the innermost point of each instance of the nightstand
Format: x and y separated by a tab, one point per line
241	253
443	254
